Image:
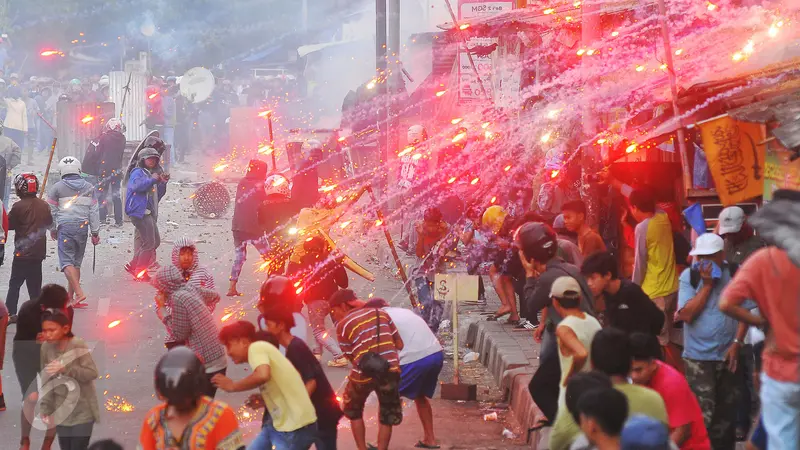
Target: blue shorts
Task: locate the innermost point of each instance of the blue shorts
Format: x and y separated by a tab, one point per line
72	238
421	377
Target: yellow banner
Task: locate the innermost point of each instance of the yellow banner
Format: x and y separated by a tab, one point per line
734	158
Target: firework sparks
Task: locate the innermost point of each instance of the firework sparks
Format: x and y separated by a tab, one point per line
220	167
87	119
226	317
119	404
265	150
114	323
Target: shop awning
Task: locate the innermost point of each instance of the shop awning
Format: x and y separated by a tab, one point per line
784	110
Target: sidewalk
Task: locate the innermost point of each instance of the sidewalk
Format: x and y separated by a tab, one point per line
512	356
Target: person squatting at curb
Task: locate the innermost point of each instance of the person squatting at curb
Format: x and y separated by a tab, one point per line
66	360
187	419
29	218
141	205
73	205
186	314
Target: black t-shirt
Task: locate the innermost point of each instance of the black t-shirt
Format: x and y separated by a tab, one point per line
631	310
324	397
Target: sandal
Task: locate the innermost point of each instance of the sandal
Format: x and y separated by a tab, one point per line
541	423
421	444
80	305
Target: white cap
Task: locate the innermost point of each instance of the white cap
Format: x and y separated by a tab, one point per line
731	220
707	244
565	287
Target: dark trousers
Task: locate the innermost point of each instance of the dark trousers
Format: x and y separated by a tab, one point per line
544	384
326	437
748	402
148	233
211	390
23	270
76	437
110	188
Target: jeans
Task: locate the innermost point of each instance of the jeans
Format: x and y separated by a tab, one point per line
318	310
326	437
110	186
270	438
431	309
76	437
240	241
148	232
7	192
211	390
23	270
780	409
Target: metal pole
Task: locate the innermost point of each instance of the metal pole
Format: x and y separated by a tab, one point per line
590	156
395	82
381	85
673	84
454	331
466	48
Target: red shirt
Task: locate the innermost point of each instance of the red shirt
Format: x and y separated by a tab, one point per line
769	278
682	405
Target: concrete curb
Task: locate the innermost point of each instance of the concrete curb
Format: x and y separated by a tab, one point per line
512	358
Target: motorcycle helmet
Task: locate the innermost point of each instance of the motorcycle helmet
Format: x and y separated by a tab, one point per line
278	292
114	124
26	184
493	218
69	165
180	379
277	184
416	134
537	241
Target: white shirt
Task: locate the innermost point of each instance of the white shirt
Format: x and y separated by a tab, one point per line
418	340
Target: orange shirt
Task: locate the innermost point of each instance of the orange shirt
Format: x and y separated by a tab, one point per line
769	278
590	242
214	426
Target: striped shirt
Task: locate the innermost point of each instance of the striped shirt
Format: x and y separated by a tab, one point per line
358	334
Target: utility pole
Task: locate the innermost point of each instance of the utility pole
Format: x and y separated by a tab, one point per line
394	81
381	88
590	157
673	84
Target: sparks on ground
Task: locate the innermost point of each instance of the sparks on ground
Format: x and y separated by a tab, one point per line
114	323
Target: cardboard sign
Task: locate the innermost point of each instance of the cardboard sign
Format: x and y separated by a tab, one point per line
455	286
735	159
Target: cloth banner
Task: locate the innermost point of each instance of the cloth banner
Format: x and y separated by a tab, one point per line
735	159
780	172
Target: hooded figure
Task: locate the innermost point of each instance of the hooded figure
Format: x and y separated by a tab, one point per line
185	313
141	205
184	257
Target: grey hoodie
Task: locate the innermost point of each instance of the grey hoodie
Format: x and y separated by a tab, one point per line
73	200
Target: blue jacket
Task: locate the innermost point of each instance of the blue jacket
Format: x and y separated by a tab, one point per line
140	194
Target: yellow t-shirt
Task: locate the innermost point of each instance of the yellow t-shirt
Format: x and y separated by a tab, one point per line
654	268
285	393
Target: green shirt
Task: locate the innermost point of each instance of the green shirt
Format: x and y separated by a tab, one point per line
70	397
641	400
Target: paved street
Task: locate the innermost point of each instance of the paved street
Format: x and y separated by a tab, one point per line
126	354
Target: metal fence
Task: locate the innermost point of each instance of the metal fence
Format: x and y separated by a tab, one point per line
135	110
77	124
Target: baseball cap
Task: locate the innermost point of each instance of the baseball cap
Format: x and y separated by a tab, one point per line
644	433
565	287
731	220
707	244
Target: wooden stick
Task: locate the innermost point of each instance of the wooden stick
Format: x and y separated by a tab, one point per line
47	171
396	257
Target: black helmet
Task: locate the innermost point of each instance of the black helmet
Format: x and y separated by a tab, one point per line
181	378
278	292
537	240
156	143
26	184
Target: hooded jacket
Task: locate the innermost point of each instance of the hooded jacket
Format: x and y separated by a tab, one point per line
73	200
106	156
188	317
250	200
141	194
196	276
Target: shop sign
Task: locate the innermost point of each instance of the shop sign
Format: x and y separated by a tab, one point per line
734	157
470	89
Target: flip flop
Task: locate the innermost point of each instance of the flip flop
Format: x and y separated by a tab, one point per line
421	444
80	305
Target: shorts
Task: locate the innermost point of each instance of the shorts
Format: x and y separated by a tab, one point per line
420	378
390	407
25	367
72	239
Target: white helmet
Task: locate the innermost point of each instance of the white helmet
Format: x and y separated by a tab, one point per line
416	134
103	81
69	165
277	184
